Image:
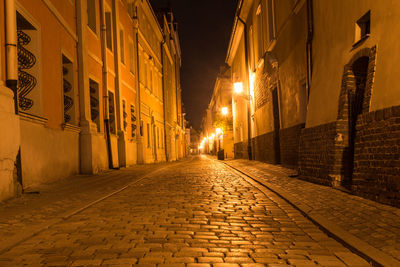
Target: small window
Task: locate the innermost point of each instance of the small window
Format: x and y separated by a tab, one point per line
111	112
131	57
94	103
270	22
363	27
260	30
125	115
148	135
251	44
91	14
133	122
122	45
109	30
68	90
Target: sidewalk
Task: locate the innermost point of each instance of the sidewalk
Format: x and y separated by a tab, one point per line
47	204
371	228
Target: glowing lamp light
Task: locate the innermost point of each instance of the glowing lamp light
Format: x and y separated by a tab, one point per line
224	111
218	131
213	136
238	87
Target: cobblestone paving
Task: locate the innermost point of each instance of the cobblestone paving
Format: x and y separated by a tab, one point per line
60	197
372	222
196	214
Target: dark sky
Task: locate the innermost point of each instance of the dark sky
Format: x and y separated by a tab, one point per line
204	30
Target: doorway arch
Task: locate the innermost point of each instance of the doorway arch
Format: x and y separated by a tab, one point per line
354	100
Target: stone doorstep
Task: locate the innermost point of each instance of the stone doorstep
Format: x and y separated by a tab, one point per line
358	246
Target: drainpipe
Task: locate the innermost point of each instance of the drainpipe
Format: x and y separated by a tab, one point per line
12	68
310	31
11	50
105	82
139	114
164	103
249	146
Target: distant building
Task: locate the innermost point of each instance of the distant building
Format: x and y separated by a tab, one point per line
218	129
89	78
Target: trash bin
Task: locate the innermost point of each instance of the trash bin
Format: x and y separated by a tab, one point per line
221	155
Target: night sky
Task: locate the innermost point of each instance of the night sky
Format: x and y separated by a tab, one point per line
204	30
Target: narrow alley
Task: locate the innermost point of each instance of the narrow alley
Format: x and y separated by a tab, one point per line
195	212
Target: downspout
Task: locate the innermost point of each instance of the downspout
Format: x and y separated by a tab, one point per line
11	50
249	146
136	18
310	32
12	68
164	103
105	82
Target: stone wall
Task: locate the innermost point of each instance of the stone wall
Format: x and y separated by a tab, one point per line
289	145
317	153
241	150
376	172
263	146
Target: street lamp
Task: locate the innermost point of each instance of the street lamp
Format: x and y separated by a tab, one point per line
224	111
238	87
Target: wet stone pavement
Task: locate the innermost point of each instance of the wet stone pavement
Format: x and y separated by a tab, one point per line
198	213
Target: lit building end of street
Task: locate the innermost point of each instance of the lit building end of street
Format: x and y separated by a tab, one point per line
207	133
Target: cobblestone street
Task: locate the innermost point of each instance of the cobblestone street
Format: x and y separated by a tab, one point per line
194	213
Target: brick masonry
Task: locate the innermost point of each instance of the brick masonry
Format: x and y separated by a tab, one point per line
240	150
316	153
289	145
377	156
263	146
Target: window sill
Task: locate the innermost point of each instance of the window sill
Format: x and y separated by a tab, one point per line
359	42
32	118
71	127
271	45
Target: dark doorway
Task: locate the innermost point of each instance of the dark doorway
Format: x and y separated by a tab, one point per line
277	126
356	99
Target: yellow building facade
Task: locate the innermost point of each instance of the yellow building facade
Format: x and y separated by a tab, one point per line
315	88
89	80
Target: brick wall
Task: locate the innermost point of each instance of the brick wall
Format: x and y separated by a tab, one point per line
240	150
263	146
376	172
289	145
316	153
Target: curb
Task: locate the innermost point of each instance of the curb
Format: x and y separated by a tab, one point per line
358	246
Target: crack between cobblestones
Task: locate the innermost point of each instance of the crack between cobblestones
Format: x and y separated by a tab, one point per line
374	256
7	245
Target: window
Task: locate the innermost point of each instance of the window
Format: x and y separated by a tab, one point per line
131	57
94	103
68	91
111	112
363	27
122	45
109	30
270	22
148	135
29	95
125	115
251	50
91	14
260	39
133	121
